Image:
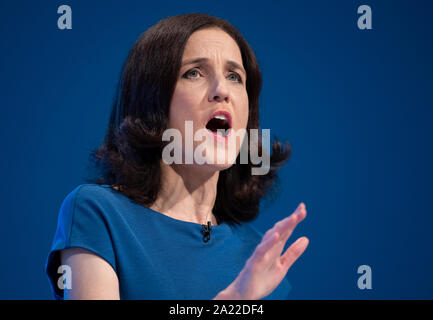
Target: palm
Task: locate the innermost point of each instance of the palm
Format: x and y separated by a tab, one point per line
266	268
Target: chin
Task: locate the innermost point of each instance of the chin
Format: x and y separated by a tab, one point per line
215	167
216	163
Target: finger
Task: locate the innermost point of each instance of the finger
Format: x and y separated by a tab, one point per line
282	224
266	244
294	252
286	226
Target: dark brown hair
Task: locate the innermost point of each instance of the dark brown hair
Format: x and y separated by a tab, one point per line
131	152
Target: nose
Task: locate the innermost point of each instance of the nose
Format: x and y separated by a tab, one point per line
218	90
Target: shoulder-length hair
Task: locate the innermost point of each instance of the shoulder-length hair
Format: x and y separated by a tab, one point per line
130	154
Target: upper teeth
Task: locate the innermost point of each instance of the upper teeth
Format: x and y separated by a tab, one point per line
220	116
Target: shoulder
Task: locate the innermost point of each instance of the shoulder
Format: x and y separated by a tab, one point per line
88	200
90	191
90	194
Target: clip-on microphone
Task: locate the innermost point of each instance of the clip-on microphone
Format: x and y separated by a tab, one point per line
206	230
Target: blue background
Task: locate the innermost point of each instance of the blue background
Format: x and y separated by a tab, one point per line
356	106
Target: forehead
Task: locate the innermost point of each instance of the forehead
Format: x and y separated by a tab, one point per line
212	43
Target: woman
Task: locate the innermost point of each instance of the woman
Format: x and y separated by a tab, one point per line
146	229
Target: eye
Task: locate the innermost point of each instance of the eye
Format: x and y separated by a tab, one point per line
191	74
235	77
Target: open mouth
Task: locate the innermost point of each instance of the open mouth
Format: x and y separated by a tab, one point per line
220	123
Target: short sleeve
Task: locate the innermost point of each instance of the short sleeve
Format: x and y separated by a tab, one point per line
81	223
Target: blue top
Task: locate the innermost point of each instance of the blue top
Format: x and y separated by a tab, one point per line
154	256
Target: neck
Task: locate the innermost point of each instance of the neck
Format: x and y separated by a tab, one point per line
187	193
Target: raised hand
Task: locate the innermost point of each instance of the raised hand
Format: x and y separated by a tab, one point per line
266	267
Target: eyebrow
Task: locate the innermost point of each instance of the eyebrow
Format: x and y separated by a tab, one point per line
229	62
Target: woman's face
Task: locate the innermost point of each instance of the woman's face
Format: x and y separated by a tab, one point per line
211	94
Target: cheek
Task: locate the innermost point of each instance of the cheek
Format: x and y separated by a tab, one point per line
181	109
242	112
